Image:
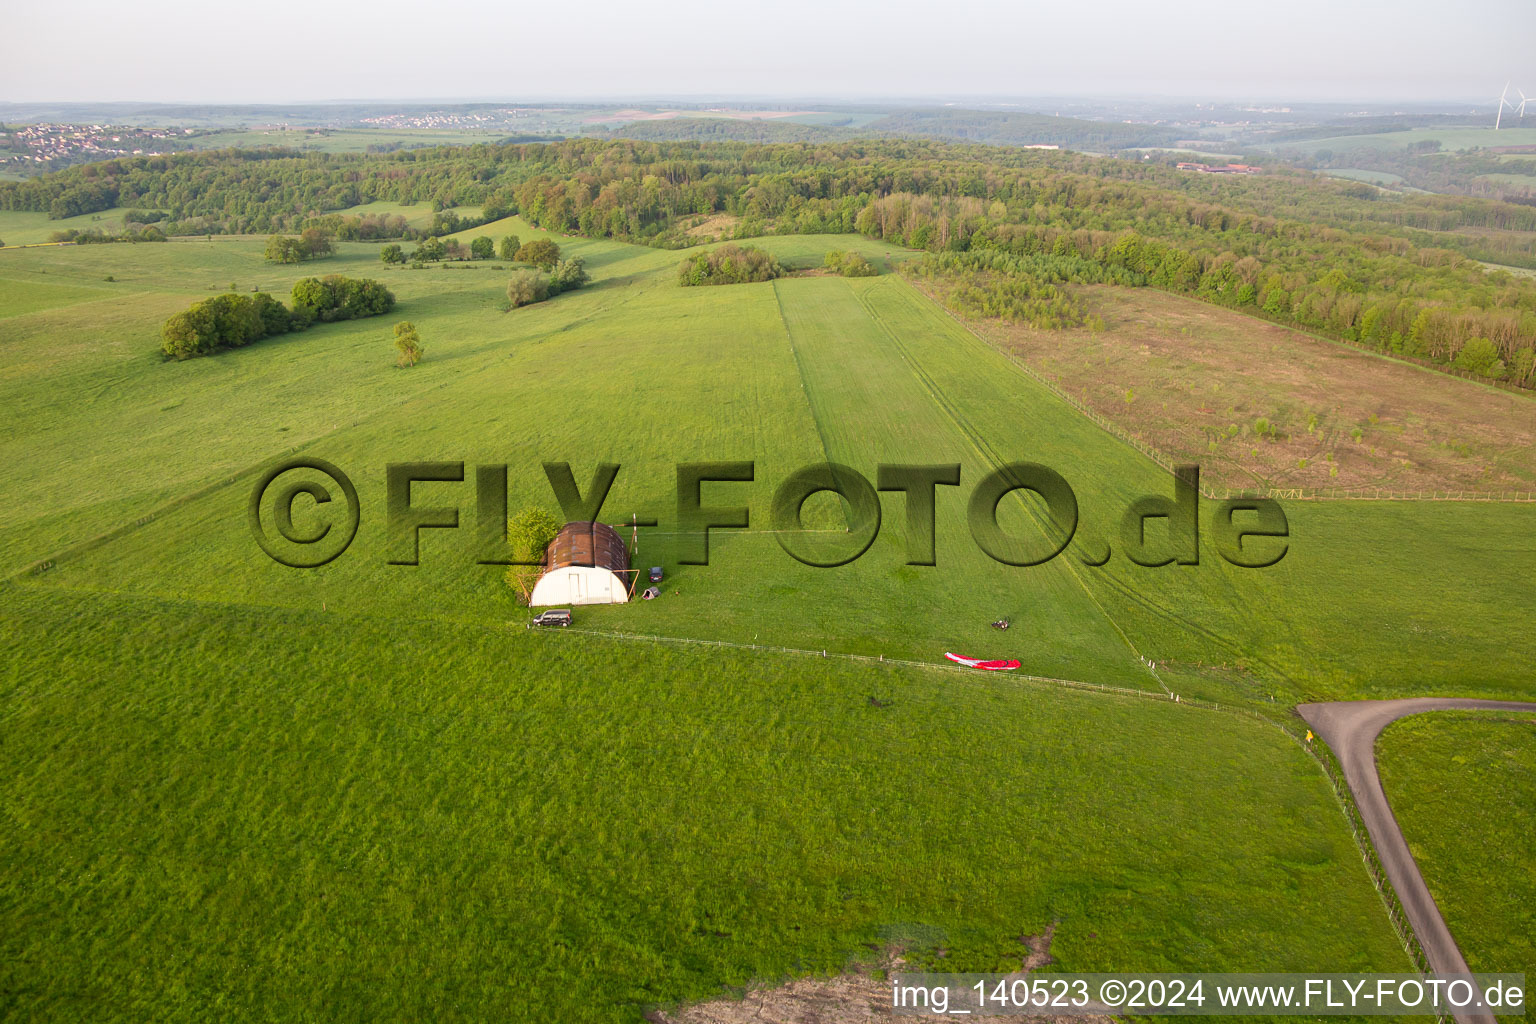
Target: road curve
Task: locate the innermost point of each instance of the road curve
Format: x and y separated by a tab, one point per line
1350	729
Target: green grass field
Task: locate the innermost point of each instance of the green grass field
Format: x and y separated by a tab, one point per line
1449	139
1373	177
781	395
26	227
368	787
417	215
1510	179
1463	788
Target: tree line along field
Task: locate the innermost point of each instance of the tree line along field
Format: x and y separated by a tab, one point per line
225	760
1399	271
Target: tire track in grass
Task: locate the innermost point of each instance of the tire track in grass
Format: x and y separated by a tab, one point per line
887	382
805	388
990	455
1120	587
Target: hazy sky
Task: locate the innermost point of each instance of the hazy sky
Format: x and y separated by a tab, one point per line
284	50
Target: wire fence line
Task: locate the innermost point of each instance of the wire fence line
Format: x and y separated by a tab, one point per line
1318	752
874	659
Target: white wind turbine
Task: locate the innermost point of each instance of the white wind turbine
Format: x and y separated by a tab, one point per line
1523	102
1503	102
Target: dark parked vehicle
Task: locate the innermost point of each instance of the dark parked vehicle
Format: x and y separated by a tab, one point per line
655	574
553	617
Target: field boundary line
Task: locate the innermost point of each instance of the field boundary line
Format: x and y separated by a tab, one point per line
875	659
106	537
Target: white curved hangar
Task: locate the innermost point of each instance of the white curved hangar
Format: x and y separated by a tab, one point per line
586	563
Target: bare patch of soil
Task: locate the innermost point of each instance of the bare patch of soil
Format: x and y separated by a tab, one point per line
858	996
1259	405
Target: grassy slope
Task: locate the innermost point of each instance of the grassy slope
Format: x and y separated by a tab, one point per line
1449	138
241	812
1355	174
1463	787
198	744
28	227
1345	613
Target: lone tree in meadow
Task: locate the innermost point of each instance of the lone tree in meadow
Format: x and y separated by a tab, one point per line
408	344
482	248
392	254
541	252
315	243
507	248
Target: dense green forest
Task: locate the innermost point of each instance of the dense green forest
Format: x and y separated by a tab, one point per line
1395	273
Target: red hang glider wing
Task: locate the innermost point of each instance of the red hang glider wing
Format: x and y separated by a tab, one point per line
991	666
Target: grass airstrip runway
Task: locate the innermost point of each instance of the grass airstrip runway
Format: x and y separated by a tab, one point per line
365	792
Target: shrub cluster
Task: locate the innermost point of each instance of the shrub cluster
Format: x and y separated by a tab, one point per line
232	320
1006	288
334	297
849	264
224	321
541	252
529	286
728	264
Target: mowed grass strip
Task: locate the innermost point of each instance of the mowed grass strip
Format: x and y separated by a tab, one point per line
875	403
217	810
1463	788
